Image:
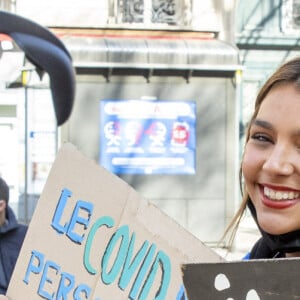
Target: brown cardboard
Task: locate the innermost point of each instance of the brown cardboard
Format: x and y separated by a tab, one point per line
273	279
94	237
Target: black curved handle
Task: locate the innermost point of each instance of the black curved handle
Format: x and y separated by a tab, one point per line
48	53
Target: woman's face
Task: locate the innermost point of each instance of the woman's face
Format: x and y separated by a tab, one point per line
271	163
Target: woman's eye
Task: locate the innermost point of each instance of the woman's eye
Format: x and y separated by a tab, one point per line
261	138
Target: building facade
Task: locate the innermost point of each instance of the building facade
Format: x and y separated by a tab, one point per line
267	34
171	57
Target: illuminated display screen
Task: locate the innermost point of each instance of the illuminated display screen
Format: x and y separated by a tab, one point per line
148	137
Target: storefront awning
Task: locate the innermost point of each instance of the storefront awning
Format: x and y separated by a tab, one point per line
149	57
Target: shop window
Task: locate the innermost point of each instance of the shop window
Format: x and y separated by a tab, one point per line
170	12
296	13
8	5
290	16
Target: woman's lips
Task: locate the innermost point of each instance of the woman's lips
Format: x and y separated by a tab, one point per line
279	198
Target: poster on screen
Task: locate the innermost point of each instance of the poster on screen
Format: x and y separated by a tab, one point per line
92	236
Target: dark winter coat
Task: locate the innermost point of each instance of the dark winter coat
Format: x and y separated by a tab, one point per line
11	238
262	251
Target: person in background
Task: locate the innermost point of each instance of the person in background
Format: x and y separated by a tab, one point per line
270	168
12	235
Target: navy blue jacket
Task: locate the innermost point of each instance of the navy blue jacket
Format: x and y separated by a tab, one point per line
262	251
12	235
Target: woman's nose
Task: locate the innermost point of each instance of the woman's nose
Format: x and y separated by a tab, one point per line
279	161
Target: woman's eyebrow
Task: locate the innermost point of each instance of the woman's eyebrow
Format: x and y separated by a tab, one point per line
263	124
269	126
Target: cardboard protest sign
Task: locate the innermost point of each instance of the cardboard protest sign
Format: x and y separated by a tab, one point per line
94	237
245	280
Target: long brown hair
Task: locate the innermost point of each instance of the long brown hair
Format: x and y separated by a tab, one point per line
288	73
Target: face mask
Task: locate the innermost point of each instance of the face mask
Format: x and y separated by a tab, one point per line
288	242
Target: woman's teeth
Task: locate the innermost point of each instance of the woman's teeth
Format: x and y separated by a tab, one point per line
279	195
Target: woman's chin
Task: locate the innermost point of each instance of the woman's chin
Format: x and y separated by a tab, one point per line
273	229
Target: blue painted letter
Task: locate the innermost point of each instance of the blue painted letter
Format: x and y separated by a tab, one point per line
109	276
59	211
108	222
39	257
76	219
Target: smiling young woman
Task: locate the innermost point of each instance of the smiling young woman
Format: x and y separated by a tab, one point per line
270	167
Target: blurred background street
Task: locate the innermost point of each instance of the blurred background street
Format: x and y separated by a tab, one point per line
246	236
